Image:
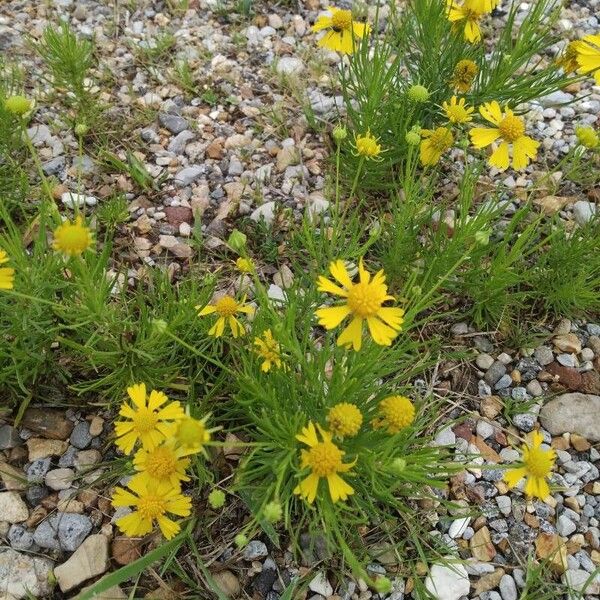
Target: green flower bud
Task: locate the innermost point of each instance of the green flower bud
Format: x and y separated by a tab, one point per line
81	129
483	237
382	585
398	465
159	326
240	540
412	138
216	499
418	93
237	240
18	105
587	137
340	133
273	512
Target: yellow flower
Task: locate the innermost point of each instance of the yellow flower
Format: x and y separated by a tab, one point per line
343	33
269	350
191	435
163	463
464	74
7	275
363	302
588	56
147	421
436	142
537	466
226	307
245	265
467	15
456	111
151	502
587	137
324	459
396	413
344	419
72	238
568	59
511	130
366	145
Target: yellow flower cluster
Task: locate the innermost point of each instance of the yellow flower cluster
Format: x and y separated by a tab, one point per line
324	458
167	436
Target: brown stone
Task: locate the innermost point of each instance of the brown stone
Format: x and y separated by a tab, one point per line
550	205
531	520
560	443
176	215
580	443
96	426
481	545
125	550
486	451
567	342
50	423
463	430
550	546
42	448
568	376
36	516
488	582
590	382
228	583
215	149
490	407
12	478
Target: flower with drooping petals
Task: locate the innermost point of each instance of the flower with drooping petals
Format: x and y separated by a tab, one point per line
457	111
344	419
435	142
466	15
72	238
588	56
226	308
363	302
395	413
245	265
147	419
324	459
568	59
537	466
587	137
342	33
366	145
191	435
267	347
463	75
511	130
152	502
7	274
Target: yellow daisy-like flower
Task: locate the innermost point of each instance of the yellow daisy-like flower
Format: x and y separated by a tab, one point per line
537	466
245	265
511	130
587	137
7	275
147	421
363	302
367	146
344	419
568	59
588	56
396	413
267	347
191	435
72	238
457	111
463	75
324	459
342	32
152	502
435	143
163	463
467	16
226	308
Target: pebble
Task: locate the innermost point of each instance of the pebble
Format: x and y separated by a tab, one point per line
24	575
504	504
265	211
62	531
188	175
534	388
445	437
320	585
458	527
89	560
289	65
504	382
448	582
524	421
543	355
81	437
174	123
12	508
71	200
573	413
50	423
9	437
484	361
583	211
495	372
564	526
59	479
254	550
36	471
484	429
508	588
20	538
42	448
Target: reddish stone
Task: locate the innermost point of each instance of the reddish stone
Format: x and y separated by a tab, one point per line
52	424
176	215
568	376
462	430
590	382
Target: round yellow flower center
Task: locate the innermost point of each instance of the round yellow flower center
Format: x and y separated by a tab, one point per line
145	420
511	128
72	238
324	459
151	506
161	463
457	113
364	300
345	419
341	20
226	306
191	432
366	145
441	139
398	412
538	461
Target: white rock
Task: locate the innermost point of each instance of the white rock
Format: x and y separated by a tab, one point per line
448	582
445	437
89	560
457	528
23	575
12	508
484	361
70	200
583	211
265	211
59	479
289	65
320	585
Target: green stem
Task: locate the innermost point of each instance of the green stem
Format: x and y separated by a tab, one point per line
197	352
33	298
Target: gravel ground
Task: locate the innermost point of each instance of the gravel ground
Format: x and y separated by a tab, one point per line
242	147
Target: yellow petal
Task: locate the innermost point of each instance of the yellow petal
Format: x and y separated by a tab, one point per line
331	317
391	315
352	335
491	112
338	488
308	435
322	22
207	310
137	393
218	328
513	476
340	273
472	31
168	528
483	136
499	157
307	488
126	442
380	332
324	285
172	412
156	400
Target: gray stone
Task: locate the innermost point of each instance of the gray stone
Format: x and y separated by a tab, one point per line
24	575
484	361
174	123
54	166
508	588
556	98
567	360
179	142
62	531
524	421
504	504
534	387
484	429
39	134
458	527
35	494
81	437
503	382
37	470
543	355
20	538
320	585
583	211
9	437
325	105
188	175
519	393
495	372
59	479
581	581
255	550
573	413
565	526
289	65
445	437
